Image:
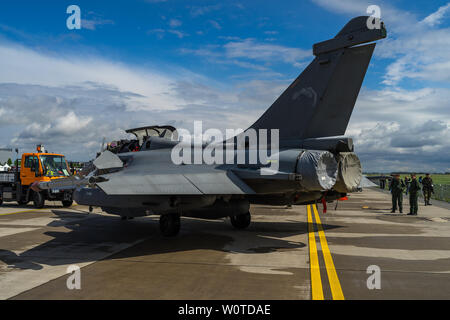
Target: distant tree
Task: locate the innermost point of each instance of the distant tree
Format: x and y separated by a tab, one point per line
9	162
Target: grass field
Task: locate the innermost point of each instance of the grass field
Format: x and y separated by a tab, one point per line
438	178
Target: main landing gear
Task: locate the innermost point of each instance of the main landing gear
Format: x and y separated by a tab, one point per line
169	224
241	221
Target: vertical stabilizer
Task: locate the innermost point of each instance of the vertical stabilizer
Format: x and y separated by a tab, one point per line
320	101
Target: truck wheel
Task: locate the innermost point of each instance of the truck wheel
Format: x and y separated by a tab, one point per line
38	200
67	203
22	202
241	221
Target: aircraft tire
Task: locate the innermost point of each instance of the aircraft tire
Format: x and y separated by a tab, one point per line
241	221
38	200
1	201
67	203
169	224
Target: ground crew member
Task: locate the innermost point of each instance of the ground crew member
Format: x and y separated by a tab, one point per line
407	184
414	188
383	183
396	188
427	184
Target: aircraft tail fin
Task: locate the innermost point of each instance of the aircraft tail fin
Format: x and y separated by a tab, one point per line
320	101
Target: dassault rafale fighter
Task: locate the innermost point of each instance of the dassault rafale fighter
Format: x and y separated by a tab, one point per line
314	162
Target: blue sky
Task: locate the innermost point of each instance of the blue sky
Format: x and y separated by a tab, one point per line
149	62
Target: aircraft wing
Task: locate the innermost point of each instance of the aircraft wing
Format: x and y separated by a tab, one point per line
367	183
200	183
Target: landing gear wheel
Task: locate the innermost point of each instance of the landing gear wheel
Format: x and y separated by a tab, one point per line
169	224
38	200
241	221
67	203
1	201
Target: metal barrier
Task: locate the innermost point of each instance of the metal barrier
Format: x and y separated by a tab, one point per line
441	192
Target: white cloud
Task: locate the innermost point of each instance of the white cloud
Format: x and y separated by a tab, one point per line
250	49
24	66
161	32
394	146
215	24
202	10
436	17
175	23
91	24
178	33
398	129
419	51
241	51
70	104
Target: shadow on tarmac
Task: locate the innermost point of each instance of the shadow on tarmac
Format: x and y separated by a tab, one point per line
97	233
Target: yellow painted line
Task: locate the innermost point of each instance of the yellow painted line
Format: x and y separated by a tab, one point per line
316	281
33	210
27	211
335	285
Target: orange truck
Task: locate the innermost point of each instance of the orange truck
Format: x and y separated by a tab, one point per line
39	166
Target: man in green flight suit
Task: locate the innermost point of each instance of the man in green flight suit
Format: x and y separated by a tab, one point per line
396	188
427	184
414	189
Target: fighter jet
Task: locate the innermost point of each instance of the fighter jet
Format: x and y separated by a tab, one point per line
314	161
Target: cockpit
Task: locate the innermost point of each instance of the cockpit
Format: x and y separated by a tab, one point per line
145	136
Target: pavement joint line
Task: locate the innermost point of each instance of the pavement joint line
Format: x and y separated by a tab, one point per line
316	281
333	279
277	267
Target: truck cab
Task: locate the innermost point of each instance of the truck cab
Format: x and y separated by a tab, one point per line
43	167
38	166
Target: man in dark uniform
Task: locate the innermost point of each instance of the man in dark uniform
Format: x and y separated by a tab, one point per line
396	188
414	188
427	184
407	183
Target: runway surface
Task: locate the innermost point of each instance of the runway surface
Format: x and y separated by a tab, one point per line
286	253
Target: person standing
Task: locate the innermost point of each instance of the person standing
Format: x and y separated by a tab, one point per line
407	183
414	189
383	180
427	189
396	188
382	184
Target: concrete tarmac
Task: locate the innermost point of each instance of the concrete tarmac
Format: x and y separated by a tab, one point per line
211	260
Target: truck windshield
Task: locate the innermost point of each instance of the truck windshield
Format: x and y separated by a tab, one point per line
54	166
